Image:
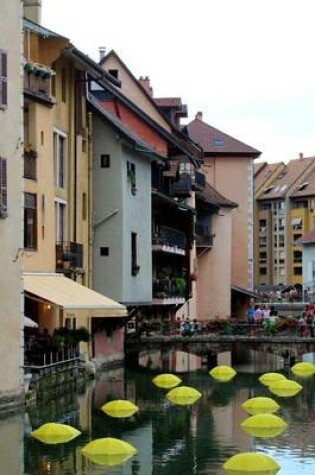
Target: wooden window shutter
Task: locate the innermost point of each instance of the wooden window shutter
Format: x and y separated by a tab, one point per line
3	80
3	188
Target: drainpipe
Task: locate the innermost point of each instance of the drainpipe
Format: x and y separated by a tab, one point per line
90	199
75	160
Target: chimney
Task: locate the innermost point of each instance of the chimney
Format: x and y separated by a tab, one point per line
144	81
199	115
300	155
102	52
33	10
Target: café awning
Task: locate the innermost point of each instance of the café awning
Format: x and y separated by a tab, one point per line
75	299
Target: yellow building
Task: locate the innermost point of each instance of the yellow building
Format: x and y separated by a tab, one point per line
58	230
284	211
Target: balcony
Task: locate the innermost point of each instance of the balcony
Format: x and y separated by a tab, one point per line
37	80
182	188
168	291
69	257
204	238
169	240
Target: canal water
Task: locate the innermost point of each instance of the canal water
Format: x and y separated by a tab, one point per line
170	439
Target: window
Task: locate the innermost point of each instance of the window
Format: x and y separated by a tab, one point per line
297	223
3	188
104	251
70	323
262	257
105	160
60	159
262	226
298	270
262	271
262	241
60	216
297	255
30	221
134	264
113	72
131	175
281	240
218	142
281	270
84	206
281	257
3	80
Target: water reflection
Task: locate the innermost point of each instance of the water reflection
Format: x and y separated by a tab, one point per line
170	439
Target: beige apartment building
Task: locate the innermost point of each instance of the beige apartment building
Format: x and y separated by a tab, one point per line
11	139
228	167
284	212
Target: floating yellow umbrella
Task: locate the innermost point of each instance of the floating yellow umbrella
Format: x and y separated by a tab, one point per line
108	451
222	373
166	380
264	425
285	388
55	433
303	369
120	408
260	404
269	378
251	463
183	395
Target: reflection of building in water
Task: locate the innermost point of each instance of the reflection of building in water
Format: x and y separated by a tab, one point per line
170	361
110	384
252	361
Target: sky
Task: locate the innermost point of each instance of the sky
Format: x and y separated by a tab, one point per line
248	65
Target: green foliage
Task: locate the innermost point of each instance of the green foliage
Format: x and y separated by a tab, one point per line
179	286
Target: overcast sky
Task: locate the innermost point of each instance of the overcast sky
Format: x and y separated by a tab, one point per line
248	65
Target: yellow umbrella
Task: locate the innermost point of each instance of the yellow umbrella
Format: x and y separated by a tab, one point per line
269	378
108	446
264	425
285	388
55	433
260	404
303	369
251	463
184	395
119	408
222	373
166	380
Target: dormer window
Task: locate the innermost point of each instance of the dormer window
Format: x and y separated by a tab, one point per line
268	189
113	72
218	142
302	186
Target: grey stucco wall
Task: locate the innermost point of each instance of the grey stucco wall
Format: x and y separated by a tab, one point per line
118	213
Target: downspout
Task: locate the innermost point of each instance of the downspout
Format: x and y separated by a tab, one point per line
90	198
75	160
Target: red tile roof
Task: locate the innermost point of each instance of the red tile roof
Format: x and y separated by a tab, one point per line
214	197
306	185
308	238
215	142
263	172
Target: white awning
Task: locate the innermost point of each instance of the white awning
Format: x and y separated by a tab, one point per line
296	222
75	299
